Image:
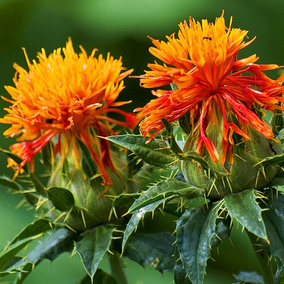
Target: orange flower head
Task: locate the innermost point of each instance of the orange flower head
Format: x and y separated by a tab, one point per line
201	63
66	95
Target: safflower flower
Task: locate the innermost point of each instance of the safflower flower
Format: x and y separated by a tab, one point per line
209	82
67	96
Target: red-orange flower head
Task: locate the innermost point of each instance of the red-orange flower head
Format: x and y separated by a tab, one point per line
202	64
67	96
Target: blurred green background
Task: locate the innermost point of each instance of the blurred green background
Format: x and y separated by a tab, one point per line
121	28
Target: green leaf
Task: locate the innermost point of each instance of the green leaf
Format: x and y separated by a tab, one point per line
9	183
37	184
8	254
47	155
39	226
153	249
50	247
277	180
93	247
274	160
179	273
196	232
173	144
88	163
156	152
101	277
243	207
277	122
135	219
184	122
61	198
31	197
17	159
169	188
26	270
249	277
274	222
125	199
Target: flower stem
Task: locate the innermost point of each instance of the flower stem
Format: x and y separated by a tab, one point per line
116	268
260	247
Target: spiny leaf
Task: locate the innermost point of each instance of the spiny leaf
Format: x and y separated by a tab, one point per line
93	246
8	254
153	249
243	207
61	198
9	183
135	219
101	277
274	222
173	144
169	188
31	197
249	277
274	160
156	152
37	227
125	199
278	180
26	270
50	247
196	233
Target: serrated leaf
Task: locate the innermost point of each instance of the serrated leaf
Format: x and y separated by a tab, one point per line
8	254
27	268
31	198
93	246
278	180
179	274
50	247
37	227
274	160
135	219
196	232
61	198
125	199
88	163
169	188
153	249
274	222
9	183
243	207
156	152
173	144
249	277
101	277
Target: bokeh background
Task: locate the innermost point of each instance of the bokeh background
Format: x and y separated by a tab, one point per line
121	27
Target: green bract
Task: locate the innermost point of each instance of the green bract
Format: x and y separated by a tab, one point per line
76	194
244	172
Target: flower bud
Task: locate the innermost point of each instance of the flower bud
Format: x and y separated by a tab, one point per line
240	171
92	205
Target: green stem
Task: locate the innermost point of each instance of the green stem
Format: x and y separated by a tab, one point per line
260	247
116	268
